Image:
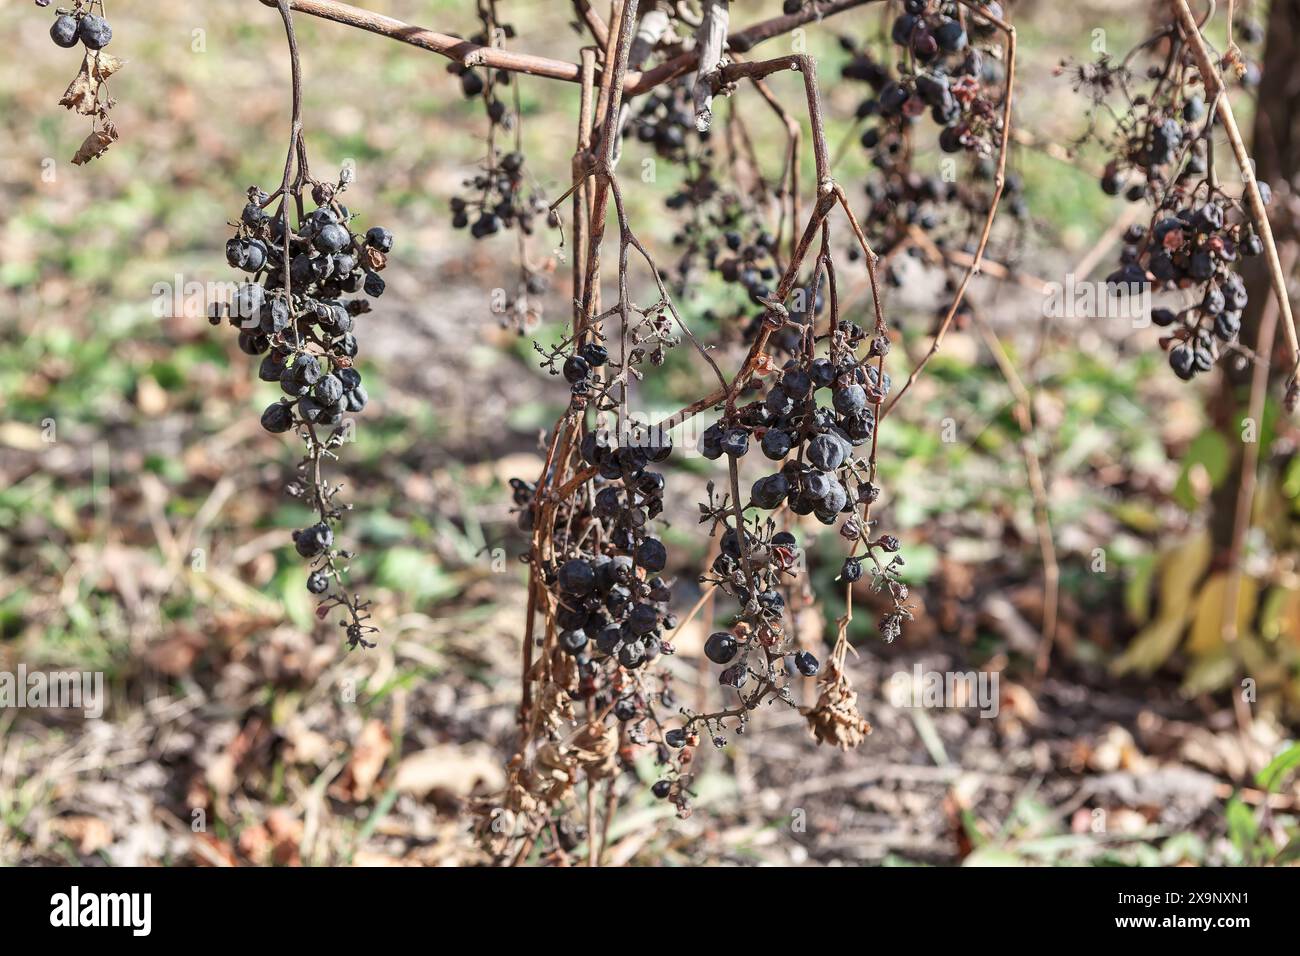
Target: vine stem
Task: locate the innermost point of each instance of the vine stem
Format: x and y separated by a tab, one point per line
295	137
1246	489
472	54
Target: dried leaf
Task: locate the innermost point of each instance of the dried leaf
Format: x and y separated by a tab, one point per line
368	757
449	767
91	834
96	144
104	64
835	719
80	95
175	655
1210	673
1151	647
1206	638
1181	570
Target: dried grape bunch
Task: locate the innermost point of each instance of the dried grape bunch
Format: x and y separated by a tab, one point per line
665	120
1162	152
498	197
1193	249
1153	122
716	215
309	277
940	71
85	24
951	68
820	473
609	605
307	285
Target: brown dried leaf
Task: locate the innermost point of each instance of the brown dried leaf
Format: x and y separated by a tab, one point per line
176	654
91	834
368	756
80	94
103	65
451	768
96	144
594	747
255	844
286	835
209	850
835	719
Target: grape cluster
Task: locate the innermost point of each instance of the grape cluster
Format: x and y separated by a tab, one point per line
497	199
1162	152
665	120
307	284
612	601
947	67
1158	140
750	265
819	475
1193	248
498	196
753	572
1161	136
614	605
79	25
719	217
940	72
911	199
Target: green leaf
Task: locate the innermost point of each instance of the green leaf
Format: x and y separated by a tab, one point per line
1242	828
992	856
1274	775
1289	853
1210	450
297	600
1137	594
415	573
1182	848
922	559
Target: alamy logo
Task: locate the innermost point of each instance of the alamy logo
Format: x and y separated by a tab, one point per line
134	910
948	689
1075	299
75	690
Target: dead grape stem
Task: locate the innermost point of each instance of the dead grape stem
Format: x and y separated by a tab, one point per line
472	54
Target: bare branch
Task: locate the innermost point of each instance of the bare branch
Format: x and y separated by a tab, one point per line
711	38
